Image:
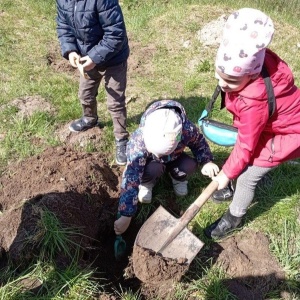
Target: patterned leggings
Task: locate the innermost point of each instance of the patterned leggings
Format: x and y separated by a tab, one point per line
245	189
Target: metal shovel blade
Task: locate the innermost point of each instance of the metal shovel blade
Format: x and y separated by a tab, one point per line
156	230
168	235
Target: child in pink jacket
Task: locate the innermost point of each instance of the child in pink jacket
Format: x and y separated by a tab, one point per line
262	143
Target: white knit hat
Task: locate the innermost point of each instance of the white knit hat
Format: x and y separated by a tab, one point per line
246	35
162	131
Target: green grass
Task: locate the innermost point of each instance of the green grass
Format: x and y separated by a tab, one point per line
52	283
286	247
128	294
53	238
157	34
211	286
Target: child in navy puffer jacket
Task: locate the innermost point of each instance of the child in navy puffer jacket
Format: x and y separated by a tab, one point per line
92	34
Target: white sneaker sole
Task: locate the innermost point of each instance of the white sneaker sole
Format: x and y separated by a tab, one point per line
121	163
145	201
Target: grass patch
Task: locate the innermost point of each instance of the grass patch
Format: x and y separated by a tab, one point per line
52	238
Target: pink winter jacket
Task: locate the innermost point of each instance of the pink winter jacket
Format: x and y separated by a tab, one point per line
264	141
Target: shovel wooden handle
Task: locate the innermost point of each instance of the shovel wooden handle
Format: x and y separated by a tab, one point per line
206	194
190	213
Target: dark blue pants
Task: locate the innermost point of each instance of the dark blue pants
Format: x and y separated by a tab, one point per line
179	169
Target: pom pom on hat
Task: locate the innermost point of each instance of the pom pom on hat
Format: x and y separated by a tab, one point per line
246	35
162	131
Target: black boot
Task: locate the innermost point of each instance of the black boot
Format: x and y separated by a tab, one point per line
89	119
223	226
121	157
83	124
225	194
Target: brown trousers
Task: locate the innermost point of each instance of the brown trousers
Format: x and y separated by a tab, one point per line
115	81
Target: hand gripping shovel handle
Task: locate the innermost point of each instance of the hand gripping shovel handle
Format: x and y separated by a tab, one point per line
190	213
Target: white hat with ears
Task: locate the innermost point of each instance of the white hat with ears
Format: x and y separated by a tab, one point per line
162	131
246	35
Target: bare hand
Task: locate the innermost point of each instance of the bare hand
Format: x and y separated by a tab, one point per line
73	58
87	63
210	169
122	224
222	179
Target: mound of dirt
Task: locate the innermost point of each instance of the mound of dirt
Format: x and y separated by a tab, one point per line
27	105
81	139
246	258
80	189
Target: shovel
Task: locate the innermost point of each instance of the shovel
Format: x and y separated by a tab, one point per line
168	236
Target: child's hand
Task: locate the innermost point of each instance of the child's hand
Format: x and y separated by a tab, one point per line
210	169
122	224
73	57
222	180
87	63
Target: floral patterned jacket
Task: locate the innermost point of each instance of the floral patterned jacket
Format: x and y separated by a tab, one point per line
137	155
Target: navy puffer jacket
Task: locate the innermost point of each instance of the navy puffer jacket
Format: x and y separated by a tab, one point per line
93	27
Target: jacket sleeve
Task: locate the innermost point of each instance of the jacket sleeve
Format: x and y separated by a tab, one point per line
114	32
64	32
251	123
197	143
132	175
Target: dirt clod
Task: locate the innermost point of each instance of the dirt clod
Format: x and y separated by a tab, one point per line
152	268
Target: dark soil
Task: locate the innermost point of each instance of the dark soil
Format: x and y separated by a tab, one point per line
246	258
79	188
82	190
151	267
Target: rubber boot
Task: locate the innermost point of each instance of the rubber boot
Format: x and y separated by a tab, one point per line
223	226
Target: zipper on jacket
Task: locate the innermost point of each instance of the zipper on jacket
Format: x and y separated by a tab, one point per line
270	159
74	12
75	9
75	6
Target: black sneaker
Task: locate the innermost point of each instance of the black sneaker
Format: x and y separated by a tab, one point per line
82	124
223	226
121	157
222	195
